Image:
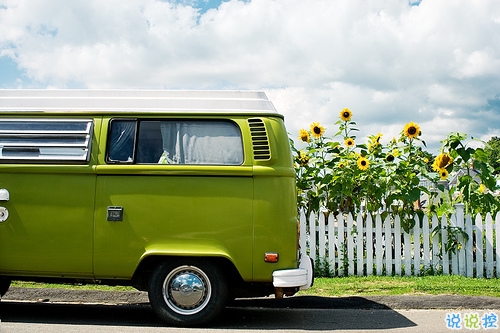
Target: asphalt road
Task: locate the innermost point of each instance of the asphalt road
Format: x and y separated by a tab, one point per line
45	310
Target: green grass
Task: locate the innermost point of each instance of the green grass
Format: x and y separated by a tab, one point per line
359	286
425	285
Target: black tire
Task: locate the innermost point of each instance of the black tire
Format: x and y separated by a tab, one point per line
4	286
188	293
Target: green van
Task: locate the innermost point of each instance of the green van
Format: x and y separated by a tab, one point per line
189	195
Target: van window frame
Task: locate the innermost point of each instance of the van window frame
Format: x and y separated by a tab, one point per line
137	134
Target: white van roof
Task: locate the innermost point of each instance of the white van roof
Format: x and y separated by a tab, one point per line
103	101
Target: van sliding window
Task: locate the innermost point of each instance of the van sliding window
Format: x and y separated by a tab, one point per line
179	141
45	140
121	146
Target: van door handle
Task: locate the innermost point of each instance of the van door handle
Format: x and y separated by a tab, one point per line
115	214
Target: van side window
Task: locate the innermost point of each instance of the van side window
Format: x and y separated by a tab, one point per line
121	145
180	141
45	140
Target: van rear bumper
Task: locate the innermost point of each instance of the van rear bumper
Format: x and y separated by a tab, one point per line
301	278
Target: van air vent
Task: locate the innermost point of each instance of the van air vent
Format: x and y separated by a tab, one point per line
260	141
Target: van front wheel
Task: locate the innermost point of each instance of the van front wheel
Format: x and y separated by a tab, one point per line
188	293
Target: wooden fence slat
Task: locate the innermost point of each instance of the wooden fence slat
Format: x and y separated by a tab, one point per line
398	253
321	235
360	253
459	217
426	243
479	247
312	236
446	255
379	250
416	247
350	244
436	252
407	250
497	244
341	253
303	232
454	254
469	248
332	243
388	246
489	246
369	245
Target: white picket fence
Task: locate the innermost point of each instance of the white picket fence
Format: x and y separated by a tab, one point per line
376	247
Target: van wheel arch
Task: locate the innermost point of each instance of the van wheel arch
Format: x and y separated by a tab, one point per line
148	265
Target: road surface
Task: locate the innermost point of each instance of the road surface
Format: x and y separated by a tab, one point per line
93	311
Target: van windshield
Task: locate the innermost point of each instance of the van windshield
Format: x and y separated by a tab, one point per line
205	142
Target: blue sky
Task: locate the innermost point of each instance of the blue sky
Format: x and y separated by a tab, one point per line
434	62
9	72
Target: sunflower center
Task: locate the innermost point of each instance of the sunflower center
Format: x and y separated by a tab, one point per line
317	130
346	114
363	163
412	130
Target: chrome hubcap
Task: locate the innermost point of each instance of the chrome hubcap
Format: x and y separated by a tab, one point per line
187	290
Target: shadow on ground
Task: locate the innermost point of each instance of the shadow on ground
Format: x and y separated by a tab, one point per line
298	313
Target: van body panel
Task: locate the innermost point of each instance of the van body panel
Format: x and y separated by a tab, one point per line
50	225
186	214
49	231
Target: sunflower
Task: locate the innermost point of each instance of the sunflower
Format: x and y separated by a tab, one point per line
411	130
303	158
363	163
442	161
389	158
349	142
482	188
443	173
304	135
341	165
396	153
345	114
317	130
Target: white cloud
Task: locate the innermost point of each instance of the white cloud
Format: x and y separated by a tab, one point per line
437	63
